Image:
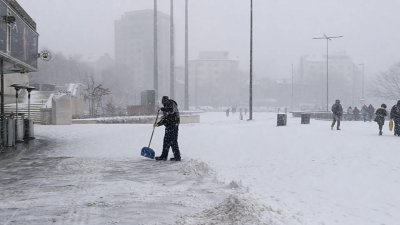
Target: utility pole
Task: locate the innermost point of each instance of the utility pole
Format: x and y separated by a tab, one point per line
155	51
363	82
251	63
186	57
172	51
328	38
292	102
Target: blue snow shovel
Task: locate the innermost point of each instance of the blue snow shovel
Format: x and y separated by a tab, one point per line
147	151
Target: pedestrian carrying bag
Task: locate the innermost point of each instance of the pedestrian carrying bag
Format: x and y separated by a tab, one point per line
391	125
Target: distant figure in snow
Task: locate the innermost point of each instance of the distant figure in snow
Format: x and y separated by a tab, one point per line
241	114
364	112
380	117
356	114
395	116
337	110
350	113
371	111
227	112
170	120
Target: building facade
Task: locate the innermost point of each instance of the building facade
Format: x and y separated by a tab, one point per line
134	49
215	80
345	81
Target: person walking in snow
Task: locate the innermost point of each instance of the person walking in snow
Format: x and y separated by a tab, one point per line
227	112
380	117
364	112
356	113
337	110
395	116
170	120
350	113
371	111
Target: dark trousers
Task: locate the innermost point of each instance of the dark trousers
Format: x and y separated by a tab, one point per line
171	140
336	118
381	121
396	127
380	126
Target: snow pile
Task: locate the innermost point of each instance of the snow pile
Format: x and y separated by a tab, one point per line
196	168
237	210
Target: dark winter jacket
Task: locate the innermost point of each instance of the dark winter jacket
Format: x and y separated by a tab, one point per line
364	110
170	114
395	112
356	111
371	109
380	115
337	109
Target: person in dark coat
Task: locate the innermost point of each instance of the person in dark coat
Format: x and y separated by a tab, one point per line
380	117
395	116
364	112
227	112
170	120
337	110
350	113
371	111
356	113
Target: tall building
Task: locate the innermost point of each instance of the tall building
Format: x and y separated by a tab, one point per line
215	80
344	80
134	46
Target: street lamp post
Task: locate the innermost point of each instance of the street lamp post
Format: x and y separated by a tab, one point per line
172	52
155	48
363	82
292	99
251	63
327	38
186	56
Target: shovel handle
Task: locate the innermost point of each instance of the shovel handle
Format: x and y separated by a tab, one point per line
154	127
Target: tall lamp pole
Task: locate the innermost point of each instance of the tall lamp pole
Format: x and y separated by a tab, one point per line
186	57
363	82
172	51
292	101
327	38
251	63
155	26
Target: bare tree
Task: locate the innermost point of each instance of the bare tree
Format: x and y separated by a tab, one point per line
387	84
94	95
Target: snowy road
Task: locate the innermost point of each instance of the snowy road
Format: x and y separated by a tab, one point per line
299	174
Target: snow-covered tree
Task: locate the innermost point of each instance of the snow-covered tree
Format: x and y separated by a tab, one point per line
387	84
94	94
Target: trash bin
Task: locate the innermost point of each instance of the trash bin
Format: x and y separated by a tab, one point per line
10	132
281	120
305	118
29	131
19	130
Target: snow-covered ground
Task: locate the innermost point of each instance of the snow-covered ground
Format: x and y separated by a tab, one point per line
233	172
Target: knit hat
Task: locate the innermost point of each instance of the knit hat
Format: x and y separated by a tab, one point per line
164	99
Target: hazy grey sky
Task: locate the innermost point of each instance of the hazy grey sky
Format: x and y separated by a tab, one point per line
283	29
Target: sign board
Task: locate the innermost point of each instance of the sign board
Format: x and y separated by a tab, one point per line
18	38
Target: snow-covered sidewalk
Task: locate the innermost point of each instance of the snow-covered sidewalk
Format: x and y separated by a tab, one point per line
233	172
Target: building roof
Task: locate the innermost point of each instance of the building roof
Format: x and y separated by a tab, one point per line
21	12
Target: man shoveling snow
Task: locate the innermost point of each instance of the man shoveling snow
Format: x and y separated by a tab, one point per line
170	120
